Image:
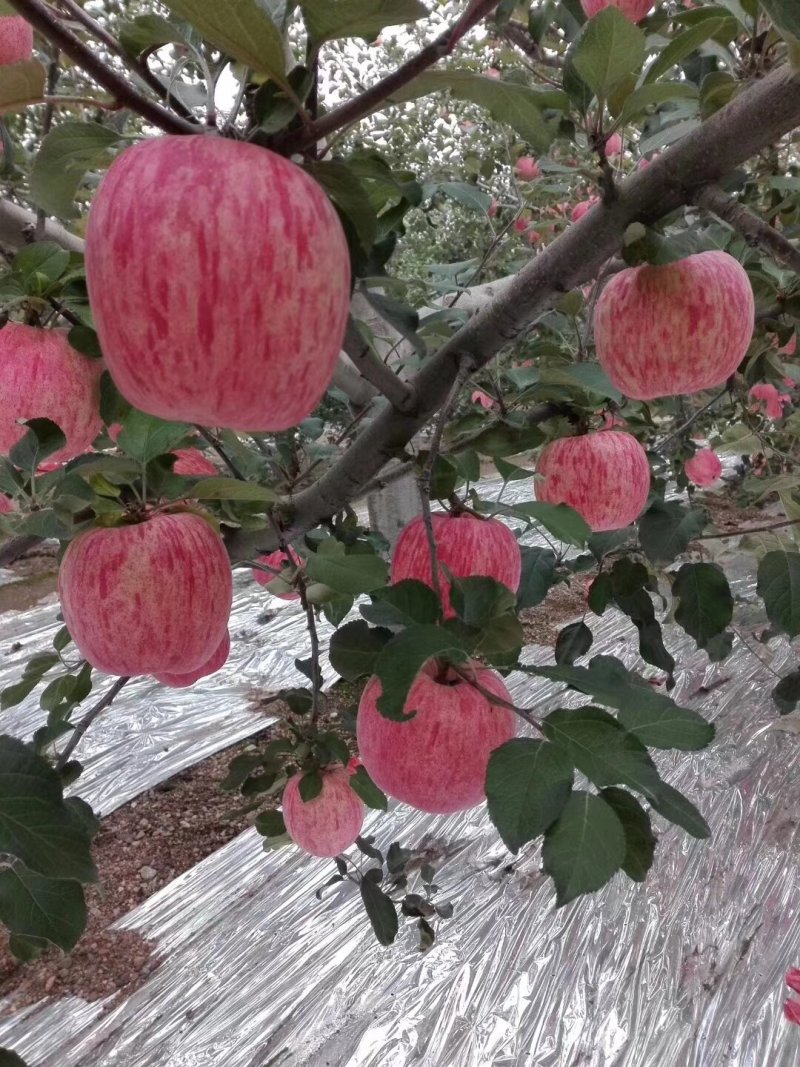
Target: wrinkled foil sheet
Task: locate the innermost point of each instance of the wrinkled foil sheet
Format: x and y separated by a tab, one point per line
685	969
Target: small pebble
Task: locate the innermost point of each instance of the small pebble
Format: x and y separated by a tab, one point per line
147	873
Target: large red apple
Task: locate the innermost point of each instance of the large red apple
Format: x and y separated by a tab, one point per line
43	377
466	545
328	824
219	279
631	9
675	329
217	661
436	761
149	598
16	40
604	476
277	561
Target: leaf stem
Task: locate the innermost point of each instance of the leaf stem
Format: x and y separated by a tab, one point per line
88	719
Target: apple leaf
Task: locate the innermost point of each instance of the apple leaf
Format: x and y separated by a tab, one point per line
527	785
584	847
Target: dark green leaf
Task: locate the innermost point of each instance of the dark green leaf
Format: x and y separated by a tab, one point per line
537	578
403	657
42	440
667	527
640	841
562	521
147	32
601	593
232	489
678	809
687	42
144	436
357	18
47	908
573	641
381	911
779	587
601	748
706	603
527	785
43	259
785	14
270	824
584	848
611	49
350	574
64	157
36	826
479	601
11	1059
310	786
355	647
403	604
363	785
241	28
786	693
349	195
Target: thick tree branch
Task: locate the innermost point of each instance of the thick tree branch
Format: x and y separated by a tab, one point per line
755	231
371	367
18	228
42	19
761	115
363	105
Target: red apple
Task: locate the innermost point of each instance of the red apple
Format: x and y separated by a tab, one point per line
277	561
631	9
217	661
614	146
153	597
466	545
581	208
436	761
219	279
604	476
43	377
704	468
191	463
678	328
527	169
6	504
328	824
16	40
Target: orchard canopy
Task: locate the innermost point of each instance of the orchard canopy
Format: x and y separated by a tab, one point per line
266	260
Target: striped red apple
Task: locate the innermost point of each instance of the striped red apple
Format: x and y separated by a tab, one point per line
219	279
330	822
217	661
604	476
635	10
152	597
16	40
437	760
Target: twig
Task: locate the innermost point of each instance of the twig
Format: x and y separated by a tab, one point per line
355	110
690	422
372	367
140	68
47	122
523	713
426	473
756	232
223	455
88	719
316	675
42	18
516	33
747	530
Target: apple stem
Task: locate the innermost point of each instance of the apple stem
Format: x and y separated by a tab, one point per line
88	719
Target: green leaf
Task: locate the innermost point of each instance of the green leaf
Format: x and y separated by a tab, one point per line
11	1059
403	657
241	28
381	911
507	439
310	786
21	84
653	717
706	603
674	806
44	258
36	826
611	49
562	521
350	196
584	848
65	155
352	574
270	824
779	587
355	647
147	32
527	785
687	42
328	20
47	908
479	601
469	196
630	584
785	16
510	103
363	786
640	841
601	748
232	489
144	436
647	96
537	578
573	641
667	528
403	604
42	440
601	593
786	693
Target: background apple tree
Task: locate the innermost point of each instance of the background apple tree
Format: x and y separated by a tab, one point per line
455	141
